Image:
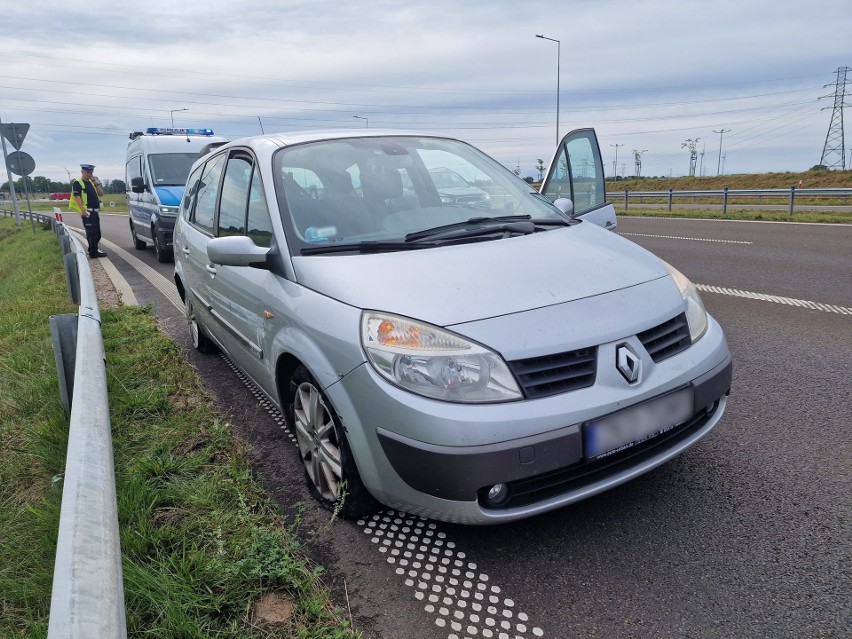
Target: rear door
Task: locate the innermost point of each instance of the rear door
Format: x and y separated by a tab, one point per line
576	173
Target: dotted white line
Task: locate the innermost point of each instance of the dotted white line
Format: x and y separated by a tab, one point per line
453	590
789	301
691	239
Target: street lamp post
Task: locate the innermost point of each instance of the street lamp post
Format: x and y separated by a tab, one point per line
615	161
366	120
172	114
719	163
558	57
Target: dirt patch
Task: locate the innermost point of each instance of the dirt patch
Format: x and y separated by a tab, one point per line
273	609
108	296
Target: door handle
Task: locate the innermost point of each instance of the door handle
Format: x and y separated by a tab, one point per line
185	249
210	269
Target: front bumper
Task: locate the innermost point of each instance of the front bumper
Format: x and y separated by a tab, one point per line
544	468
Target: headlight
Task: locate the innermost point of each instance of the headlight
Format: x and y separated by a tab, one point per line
171	210
696	316
430	361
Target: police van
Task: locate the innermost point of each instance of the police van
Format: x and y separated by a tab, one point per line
158	162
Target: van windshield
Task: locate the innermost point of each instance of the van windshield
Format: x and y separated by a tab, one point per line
170	169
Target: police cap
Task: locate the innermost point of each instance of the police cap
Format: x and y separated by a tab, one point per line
87	167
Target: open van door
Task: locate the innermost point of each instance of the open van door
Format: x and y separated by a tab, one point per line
576	174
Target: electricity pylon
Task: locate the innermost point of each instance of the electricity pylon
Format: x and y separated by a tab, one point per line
834	151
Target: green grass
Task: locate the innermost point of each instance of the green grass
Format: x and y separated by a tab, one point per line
202	544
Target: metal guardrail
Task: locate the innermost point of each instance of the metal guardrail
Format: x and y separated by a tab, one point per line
788	194
87	598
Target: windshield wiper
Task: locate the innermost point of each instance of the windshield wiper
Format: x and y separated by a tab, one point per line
362	247
473	221
476	226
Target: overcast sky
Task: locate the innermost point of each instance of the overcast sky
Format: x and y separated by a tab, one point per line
646	74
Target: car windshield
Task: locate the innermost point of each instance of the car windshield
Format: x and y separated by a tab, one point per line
170	169
391	190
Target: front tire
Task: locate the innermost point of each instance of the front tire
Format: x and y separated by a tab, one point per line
163	255
138	244
329	466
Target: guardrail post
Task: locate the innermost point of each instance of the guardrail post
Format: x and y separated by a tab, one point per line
625	199
725	201
792	198
670	200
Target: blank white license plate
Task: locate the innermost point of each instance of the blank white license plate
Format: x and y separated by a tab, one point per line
619	431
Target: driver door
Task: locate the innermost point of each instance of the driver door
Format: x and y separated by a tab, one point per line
576	173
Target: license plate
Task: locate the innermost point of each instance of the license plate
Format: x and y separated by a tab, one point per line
626	428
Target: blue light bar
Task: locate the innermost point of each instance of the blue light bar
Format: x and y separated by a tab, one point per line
159	131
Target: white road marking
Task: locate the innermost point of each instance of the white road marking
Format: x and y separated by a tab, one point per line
452	590
691	239
789	301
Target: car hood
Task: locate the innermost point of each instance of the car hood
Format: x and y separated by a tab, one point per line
469	282
169	195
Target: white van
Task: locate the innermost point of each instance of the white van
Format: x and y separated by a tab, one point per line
158	161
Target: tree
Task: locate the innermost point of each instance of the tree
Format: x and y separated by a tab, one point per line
693	154
540	168
116	186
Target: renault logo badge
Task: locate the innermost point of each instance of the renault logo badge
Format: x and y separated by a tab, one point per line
627	362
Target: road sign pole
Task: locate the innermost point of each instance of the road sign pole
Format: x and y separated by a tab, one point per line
26	187
11	184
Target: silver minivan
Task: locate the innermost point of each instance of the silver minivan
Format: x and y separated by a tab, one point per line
469	364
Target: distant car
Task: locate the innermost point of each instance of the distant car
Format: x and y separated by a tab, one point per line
471	366
60	196
454	189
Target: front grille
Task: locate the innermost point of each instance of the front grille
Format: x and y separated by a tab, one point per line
554	374
667	339
531	490
468	198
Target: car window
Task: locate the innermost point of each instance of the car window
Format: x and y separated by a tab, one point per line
259	222
208	190
577	166
190	193
235	188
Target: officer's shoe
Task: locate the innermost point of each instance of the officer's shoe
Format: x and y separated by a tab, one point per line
99	253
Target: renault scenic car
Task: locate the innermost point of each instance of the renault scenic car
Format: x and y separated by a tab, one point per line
474	365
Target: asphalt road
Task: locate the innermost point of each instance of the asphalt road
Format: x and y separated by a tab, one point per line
745	535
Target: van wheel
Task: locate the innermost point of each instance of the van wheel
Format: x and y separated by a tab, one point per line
163	255
329	466
200	341
138	244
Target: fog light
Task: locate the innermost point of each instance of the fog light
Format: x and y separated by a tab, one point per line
497	494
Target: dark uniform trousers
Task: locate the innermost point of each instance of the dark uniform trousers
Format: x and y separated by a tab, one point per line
92	224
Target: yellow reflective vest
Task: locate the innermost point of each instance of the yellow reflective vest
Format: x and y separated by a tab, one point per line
73	201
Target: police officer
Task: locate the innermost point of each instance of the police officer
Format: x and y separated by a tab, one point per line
86	192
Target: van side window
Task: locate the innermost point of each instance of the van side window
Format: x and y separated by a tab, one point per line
259	222
133	169
208	190
235	187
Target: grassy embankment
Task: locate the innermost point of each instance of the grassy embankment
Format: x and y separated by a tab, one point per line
205	552
809	179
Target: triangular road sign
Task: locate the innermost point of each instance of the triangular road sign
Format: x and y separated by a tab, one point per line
15	133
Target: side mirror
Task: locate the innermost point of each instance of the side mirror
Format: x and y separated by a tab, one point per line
565	205
236	250
137	185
